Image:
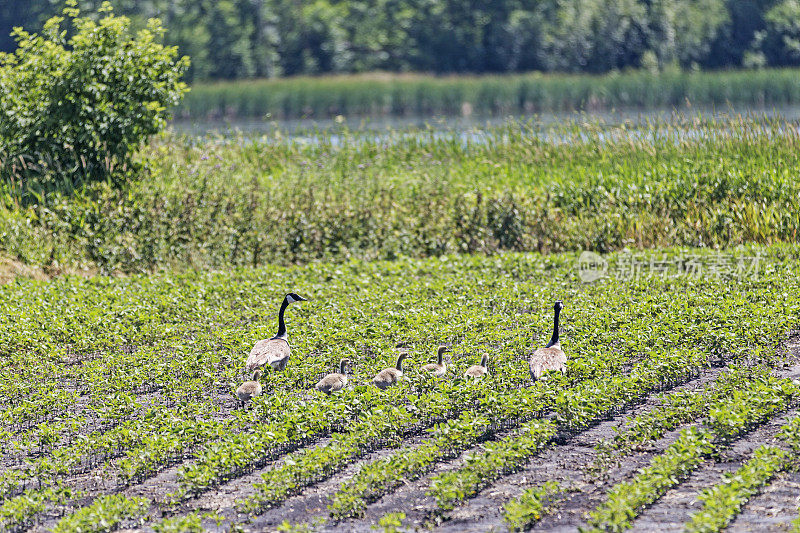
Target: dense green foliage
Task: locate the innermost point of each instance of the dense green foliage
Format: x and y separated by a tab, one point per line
77	101
424	96
522	512
757	399
262	200
723	501
103	515
265	38
154	361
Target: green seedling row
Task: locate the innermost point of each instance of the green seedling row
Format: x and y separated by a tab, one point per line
523	512
150	364
104	514
722	502
729	418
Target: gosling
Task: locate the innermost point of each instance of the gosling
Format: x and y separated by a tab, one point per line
250	389
390	376
334	382
439	368
478	371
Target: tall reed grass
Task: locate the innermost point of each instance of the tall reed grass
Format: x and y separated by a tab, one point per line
417	95
249	201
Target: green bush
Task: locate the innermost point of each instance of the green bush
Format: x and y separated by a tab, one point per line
76	102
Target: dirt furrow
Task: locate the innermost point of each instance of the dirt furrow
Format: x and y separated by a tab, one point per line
774	509
571	466
674	509
566	463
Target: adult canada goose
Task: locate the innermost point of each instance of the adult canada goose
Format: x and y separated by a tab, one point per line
248	389
335	381
389	376
437	369
274	351
478	371
551	357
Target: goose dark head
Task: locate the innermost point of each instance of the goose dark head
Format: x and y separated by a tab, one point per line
293	297
440	353
558	305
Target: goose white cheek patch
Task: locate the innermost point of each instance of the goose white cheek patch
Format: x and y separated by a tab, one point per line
290	299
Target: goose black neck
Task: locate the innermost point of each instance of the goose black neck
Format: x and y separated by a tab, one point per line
439	358
341	367
400	362
554	338
281	323
484	360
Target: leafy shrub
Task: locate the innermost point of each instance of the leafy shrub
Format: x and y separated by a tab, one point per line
76	103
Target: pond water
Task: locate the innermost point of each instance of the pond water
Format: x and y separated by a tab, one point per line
474	128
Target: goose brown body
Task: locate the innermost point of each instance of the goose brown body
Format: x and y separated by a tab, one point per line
272	352
390	376
439	368
551	357
276	351
544	359
478	371
250	389
333	382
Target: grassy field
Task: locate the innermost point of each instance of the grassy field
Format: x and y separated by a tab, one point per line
253	201
117	406
419	95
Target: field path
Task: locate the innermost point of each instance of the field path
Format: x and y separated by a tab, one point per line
674	509
570	466
566	463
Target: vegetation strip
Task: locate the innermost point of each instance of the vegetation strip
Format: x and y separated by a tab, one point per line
722	502
521	513
572	413
729	418
419	193
159	357
488	95
104	514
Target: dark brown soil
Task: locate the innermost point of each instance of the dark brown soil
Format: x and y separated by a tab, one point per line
570	462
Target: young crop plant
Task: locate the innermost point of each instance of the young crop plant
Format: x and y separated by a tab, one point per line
625	500
497	459
575	409
722	502
521	513
19	512
377	478
104	514
755	400
391	523
147	366
677	408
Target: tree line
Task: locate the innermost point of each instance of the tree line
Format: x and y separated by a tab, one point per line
231	39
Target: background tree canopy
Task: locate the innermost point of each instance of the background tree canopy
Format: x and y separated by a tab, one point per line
229	39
